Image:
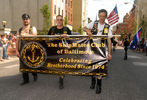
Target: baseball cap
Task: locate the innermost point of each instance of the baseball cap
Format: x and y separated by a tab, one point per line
25	16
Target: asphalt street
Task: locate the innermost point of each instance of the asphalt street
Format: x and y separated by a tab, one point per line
127	80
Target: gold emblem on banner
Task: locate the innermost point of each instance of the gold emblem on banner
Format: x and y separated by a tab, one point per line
33	59
33	55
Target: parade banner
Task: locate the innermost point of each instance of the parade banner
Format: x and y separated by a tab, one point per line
72	55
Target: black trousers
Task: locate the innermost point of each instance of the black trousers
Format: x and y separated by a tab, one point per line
25	76
126	54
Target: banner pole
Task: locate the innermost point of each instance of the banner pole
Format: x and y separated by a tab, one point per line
72	36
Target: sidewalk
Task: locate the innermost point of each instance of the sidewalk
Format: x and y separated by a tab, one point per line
11	58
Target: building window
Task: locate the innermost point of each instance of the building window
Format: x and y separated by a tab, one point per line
62	12
66	1
66	13
71	17
68	16
71	4
54	9
58	11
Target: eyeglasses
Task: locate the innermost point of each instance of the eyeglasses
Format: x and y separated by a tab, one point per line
59	19
102	16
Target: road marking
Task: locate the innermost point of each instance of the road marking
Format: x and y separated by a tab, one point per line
135	57
140	64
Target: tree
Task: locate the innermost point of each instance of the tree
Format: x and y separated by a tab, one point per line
143	24
65	21
135	27
80	29
46	18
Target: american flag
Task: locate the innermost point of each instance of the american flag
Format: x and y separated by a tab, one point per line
113	17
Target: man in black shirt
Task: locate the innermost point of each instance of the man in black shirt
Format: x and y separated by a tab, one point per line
55	30
59	29
126	44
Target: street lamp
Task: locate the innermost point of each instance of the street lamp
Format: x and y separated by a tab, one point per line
4	23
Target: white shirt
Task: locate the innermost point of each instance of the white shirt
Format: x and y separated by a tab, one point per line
25	32
100	29
5	40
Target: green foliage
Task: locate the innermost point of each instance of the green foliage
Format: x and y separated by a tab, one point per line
143	24
125	31
74	30
135	27
65	21
41	33
46	18
122	36
80	29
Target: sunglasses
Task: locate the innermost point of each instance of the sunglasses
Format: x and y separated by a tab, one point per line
59	19
26	19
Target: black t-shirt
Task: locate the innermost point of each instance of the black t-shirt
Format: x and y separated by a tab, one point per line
126	44
54	31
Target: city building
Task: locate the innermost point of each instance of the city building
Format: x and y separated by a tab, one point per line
122	28
128	27
12	10
79	14
141	16
69	13
73	11
58	8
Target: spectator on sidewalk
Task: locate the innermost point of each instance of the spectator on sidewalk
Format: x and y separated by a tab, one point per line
138	47
13	40
1	49
142	45
146	46
5	46
10	40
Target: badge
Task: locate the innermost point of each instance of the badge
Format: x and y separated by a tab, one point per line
65	32
52	33
30	30
106	30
